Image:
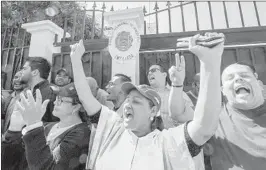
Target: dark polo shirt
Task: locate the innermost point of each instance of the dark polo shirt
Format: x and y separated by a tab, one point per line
47	93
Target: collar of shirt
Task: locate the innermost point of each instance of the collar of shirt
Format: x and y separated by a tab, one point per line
40	85
145	140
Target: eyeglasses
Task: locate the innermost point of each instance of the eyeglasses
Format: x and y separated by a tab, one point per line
59	101
110	84
153	70
62	76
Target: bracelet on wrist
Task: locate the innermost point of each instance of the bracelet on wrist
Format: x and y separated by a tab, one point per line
177	86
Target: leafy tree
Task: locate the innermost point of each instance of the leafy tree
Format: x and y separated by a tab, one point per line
15	13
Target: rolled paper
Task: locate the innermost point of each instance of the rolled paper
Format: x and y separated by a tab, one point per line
206	41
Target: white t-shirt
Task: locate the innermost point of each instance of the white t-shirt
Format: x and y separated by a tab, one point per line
164	110
116	148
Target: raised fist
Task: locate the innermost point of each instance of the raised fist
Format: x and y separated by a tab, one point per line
77	50
208	56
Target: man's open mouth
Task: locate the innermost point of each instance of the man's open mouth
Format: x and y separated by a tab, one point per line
128	114
242	90
17	84
152	78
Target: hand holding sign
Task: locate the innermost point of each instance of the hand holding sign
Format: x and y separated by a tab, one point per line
177	73
208	56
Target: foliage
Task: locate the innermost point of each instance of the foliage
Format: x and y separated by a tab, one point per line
15	13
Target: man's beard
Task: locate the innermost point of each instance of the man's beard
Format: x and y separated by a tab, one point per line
25	80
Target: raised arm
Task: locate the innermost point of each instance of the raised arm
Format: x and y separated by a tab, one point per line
208	107
89	102
179	108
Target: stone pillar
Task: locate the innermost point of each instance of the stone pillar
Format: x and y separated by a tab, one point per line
134	16
42	38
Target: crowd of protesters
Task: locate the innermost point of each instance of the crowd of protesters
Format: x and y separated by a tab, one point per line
73	124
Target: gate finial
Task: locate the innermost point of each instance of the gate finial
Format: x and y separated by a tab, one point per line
156	6
144	10
168	4
94	5
103	7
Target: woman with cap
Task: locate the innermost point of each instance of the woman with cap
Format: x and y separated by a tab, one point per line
58	145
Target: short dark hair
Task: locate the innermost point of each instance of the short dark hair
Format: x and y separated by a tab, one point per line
124	78
244	63
40	64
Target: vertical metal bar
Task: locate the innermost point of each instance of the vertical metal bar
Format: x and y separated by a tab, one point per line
225	15
102	24
156	16
103	8
257	13
22	50
18	36
252	56
83	24
3	40
90	56
195	64
9	43
93	22
61	60
65	29
210	10
241	14
196	14
169	15
237	54
15	65
145	31
182	16
74	27
101	66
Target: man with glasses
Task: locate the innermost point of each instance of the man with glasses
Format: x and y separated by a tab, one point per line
35	73
161	82
114	91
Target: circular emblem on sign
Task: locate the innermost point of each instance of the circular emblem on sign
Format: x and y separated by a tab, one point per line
124	43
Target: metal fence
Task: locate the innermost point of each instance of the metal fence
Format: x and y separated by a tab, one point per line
97	61
89	28
14	51
195	11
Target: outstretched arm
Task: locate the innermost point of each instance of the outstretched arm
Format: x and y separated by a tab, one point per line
89	102
208	107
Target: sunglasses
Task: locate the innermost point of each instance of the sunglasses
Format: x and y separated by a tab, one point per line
153	70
